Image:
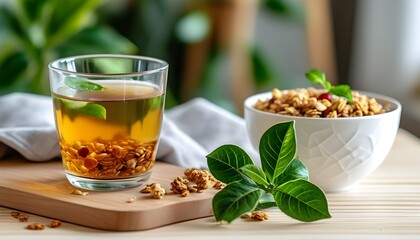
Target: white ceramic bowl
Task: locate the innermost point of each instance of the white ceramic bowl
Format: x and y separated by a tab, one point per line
338	152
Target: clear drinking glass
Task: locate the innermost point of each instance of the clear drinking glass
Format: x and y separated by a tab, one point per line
108	113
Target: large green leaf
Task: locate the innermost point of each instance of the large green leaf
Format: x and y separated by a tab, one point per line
277	149
31	9
225	163
234	200
301	200
261	69
100	39
42	30
8	68
255	173
15	27
266	201
295	170
66	20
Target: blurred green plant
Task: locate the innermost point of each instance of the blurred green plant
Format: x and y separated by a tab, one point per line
165	28
34	32
199	26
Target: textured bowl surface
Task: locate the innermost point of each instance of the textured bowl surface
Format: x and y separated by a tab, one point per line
338	152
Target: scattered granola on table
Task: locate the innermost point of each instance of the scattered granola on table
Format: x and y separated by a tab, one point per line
155	190
256	216
202	179
23	218
180	186
35	226
15	214
131	200
311	102
18	215
55	224
219	185
80	193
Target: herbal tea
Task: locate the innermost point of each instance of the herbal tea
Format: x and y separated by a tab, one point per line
111	133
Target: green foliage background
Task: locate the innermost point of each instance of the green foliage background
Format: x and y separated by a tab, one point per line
35	32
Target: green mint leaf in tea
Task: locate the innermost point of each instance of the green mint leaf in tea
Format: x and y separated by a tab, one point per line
81	84
94	110
85	108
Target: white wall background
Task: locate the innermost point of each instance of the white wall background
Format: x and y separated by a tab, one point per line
386	55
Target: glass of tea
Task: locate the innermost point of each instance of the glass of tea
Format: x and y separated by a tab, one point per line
108	112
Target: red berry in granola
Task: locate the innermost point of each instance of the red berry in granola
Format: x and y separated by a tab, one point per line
326	112
326	96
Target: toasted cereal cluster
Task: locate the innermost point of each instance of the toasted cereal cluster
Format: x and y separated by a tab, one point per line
80	193
35	226
256	216
18	215
155	190
203	180
182	185
55	224
306	102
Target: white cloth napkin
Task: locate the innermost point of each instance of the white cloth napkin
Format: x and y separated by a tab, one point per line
189	132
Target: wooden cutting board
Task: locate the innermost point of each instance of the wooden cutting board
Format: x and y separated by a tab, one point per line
42	189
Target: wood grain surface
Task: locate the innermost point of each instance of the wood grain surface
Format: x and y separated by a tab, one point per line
384	206
42	188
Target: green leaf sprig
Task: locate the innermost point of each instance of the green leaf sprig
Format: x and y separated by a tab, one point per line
85	108
282	180
318	77
81	84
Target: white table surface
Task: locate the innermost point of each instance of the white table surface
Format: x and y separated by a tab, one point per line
384	206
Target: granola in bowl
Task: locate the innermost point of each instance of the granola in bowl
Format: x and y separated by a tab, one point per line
312	102
342	135
339	152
